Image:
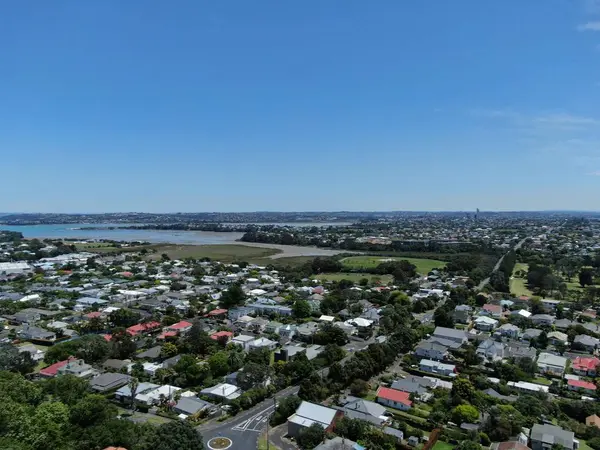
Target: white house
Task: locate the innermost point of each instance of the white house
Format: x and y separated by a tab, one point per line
551	364
427	365
484	323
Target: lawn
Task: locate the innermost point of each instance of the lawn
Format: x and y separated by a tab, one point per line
542	380
518	286
441	445
424	266
355	277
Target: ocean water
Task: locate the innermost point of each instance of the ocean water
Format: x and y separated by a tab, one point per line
72	231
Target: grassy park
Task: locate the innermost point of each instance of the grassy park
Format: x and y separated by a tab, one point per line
424	266
518	280
356	277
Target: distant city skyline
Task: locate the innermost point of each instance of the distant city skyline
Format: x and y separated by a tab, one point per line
299	106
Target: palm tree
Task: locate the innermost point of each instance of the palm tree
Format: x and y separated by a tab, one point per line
133	387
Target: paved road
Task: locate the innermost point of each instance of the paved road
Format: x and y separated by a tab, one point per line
497	266
245	428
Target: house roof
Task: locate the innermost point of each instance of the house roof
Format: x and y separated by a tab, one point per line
551	434
52	370
217	312
492	308
180	325
220	334
309	413
582	363
582	384
552	360
142	327
449	332
394	395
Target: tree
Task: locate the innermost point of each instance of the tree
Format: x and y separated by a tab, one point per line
470	357
330	334
67	389
92	409
124	318
13	360
333	353
168	350
285	408
541	341
462	389
468	445
198	341
443	318
176	435
465	414
359	388
253	375
232	297
310	437
122	344
218	363
586	276
301	309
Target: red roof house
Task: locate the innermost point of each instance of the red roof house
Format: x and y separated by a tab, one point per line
166	334
494	310
107	337
576	385
222	335
394	398
94	315
585	365
217	312
143	328
179	326
52	370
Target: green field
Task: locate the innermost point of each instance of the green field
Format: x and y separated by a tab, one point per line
518	286
355	277
424	266
441	445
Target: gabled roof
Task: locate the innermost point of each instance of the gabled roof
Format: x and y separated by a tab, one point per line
52	370
394	395
582	384
310	413
582	363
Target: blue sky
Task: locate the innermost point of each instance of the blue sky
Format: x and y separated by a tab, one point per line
299	105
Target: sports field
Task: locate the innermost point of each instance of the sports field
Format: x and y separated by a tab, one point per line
424	266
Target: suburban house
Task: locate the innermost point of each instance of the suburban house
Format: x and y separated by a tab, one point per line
189	406
427	365
462	314
490	310
179	327
586	342
224	391
491	350
542	319
109	381
592	421
458	336
30	333
431	350
531	333
544	437
485	323
358	408
509	330
243	340
393	398
143	328
414	385
262	343
582	386
585	366
550	305
557	337
308	414
78	368
551	364
338	443
52	370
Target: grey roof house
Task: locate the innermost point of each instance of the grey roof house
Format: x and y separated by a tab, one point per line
543	437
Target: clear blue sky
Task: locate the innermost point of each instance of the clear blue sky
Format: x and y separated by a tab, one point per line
191	105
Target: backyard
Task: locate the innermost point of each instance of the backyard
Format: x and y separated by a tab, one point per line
424	266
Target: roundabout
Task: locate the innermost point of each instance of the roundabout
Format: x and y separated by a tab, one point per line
219	443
